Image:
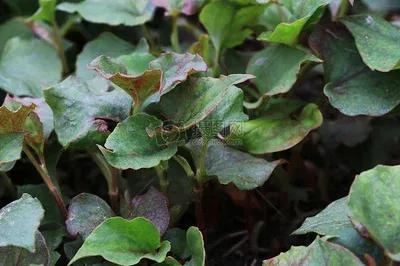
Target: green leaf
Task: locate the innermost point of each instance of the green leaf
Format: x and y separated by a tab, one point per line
130	146
19	222
228	111
382	5
268	134
105	44
152	205
227	25
85	212
11	256
198	98
319	252
375	204
124	242
116	12
46	11
377	41
233	166
189	245
276	68
334	221
12	134
12	28
301	12
352	87
195	245
27	66
82	108
41	192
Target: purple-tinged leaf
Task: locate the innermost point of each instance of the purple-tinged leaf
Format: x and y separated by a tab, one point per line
152	205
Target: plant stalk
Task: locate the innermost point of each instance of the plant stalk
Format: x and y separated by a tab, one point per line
111	175
42	170
58	42
175	34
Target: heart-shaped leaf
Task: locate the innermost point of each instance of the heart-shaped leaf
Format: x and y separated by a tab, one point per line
266	135
130	146
276	68
374	203
19	222
152	205
27	66
82	108
377	40
352	87
85	212
124	242
116	12
198	98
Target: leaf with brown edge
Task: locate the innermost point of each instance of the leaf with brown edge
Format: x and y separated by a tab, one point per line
152	205
176	68
12	134
139	87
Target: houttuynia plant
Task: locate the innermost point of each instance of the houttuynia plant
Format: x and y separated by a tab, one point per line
199	132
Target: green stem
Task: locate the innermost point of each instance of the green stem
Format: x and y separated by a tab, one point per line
41	168
201	170
7	184
256	104
71	21
216	70
111	175
162	179
343	9
149	38
175	34
58	42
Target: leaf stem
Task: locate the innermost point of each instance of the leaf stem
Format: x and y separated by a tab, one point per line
343	9
201	170
216	70
162	179
41	168
111	175
58	42
175	34
71	21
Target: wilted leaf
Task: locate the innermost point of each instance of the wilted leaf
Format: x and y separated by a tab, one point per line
377	41
276	68
320	252
152	205
375	204
19	222
12	256
85	212
27	66
105	44
116	12
124	242
130	146
266	135
83	107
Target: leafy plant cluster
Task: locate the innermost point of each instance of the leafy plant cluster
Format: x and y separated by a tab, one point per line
177	101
